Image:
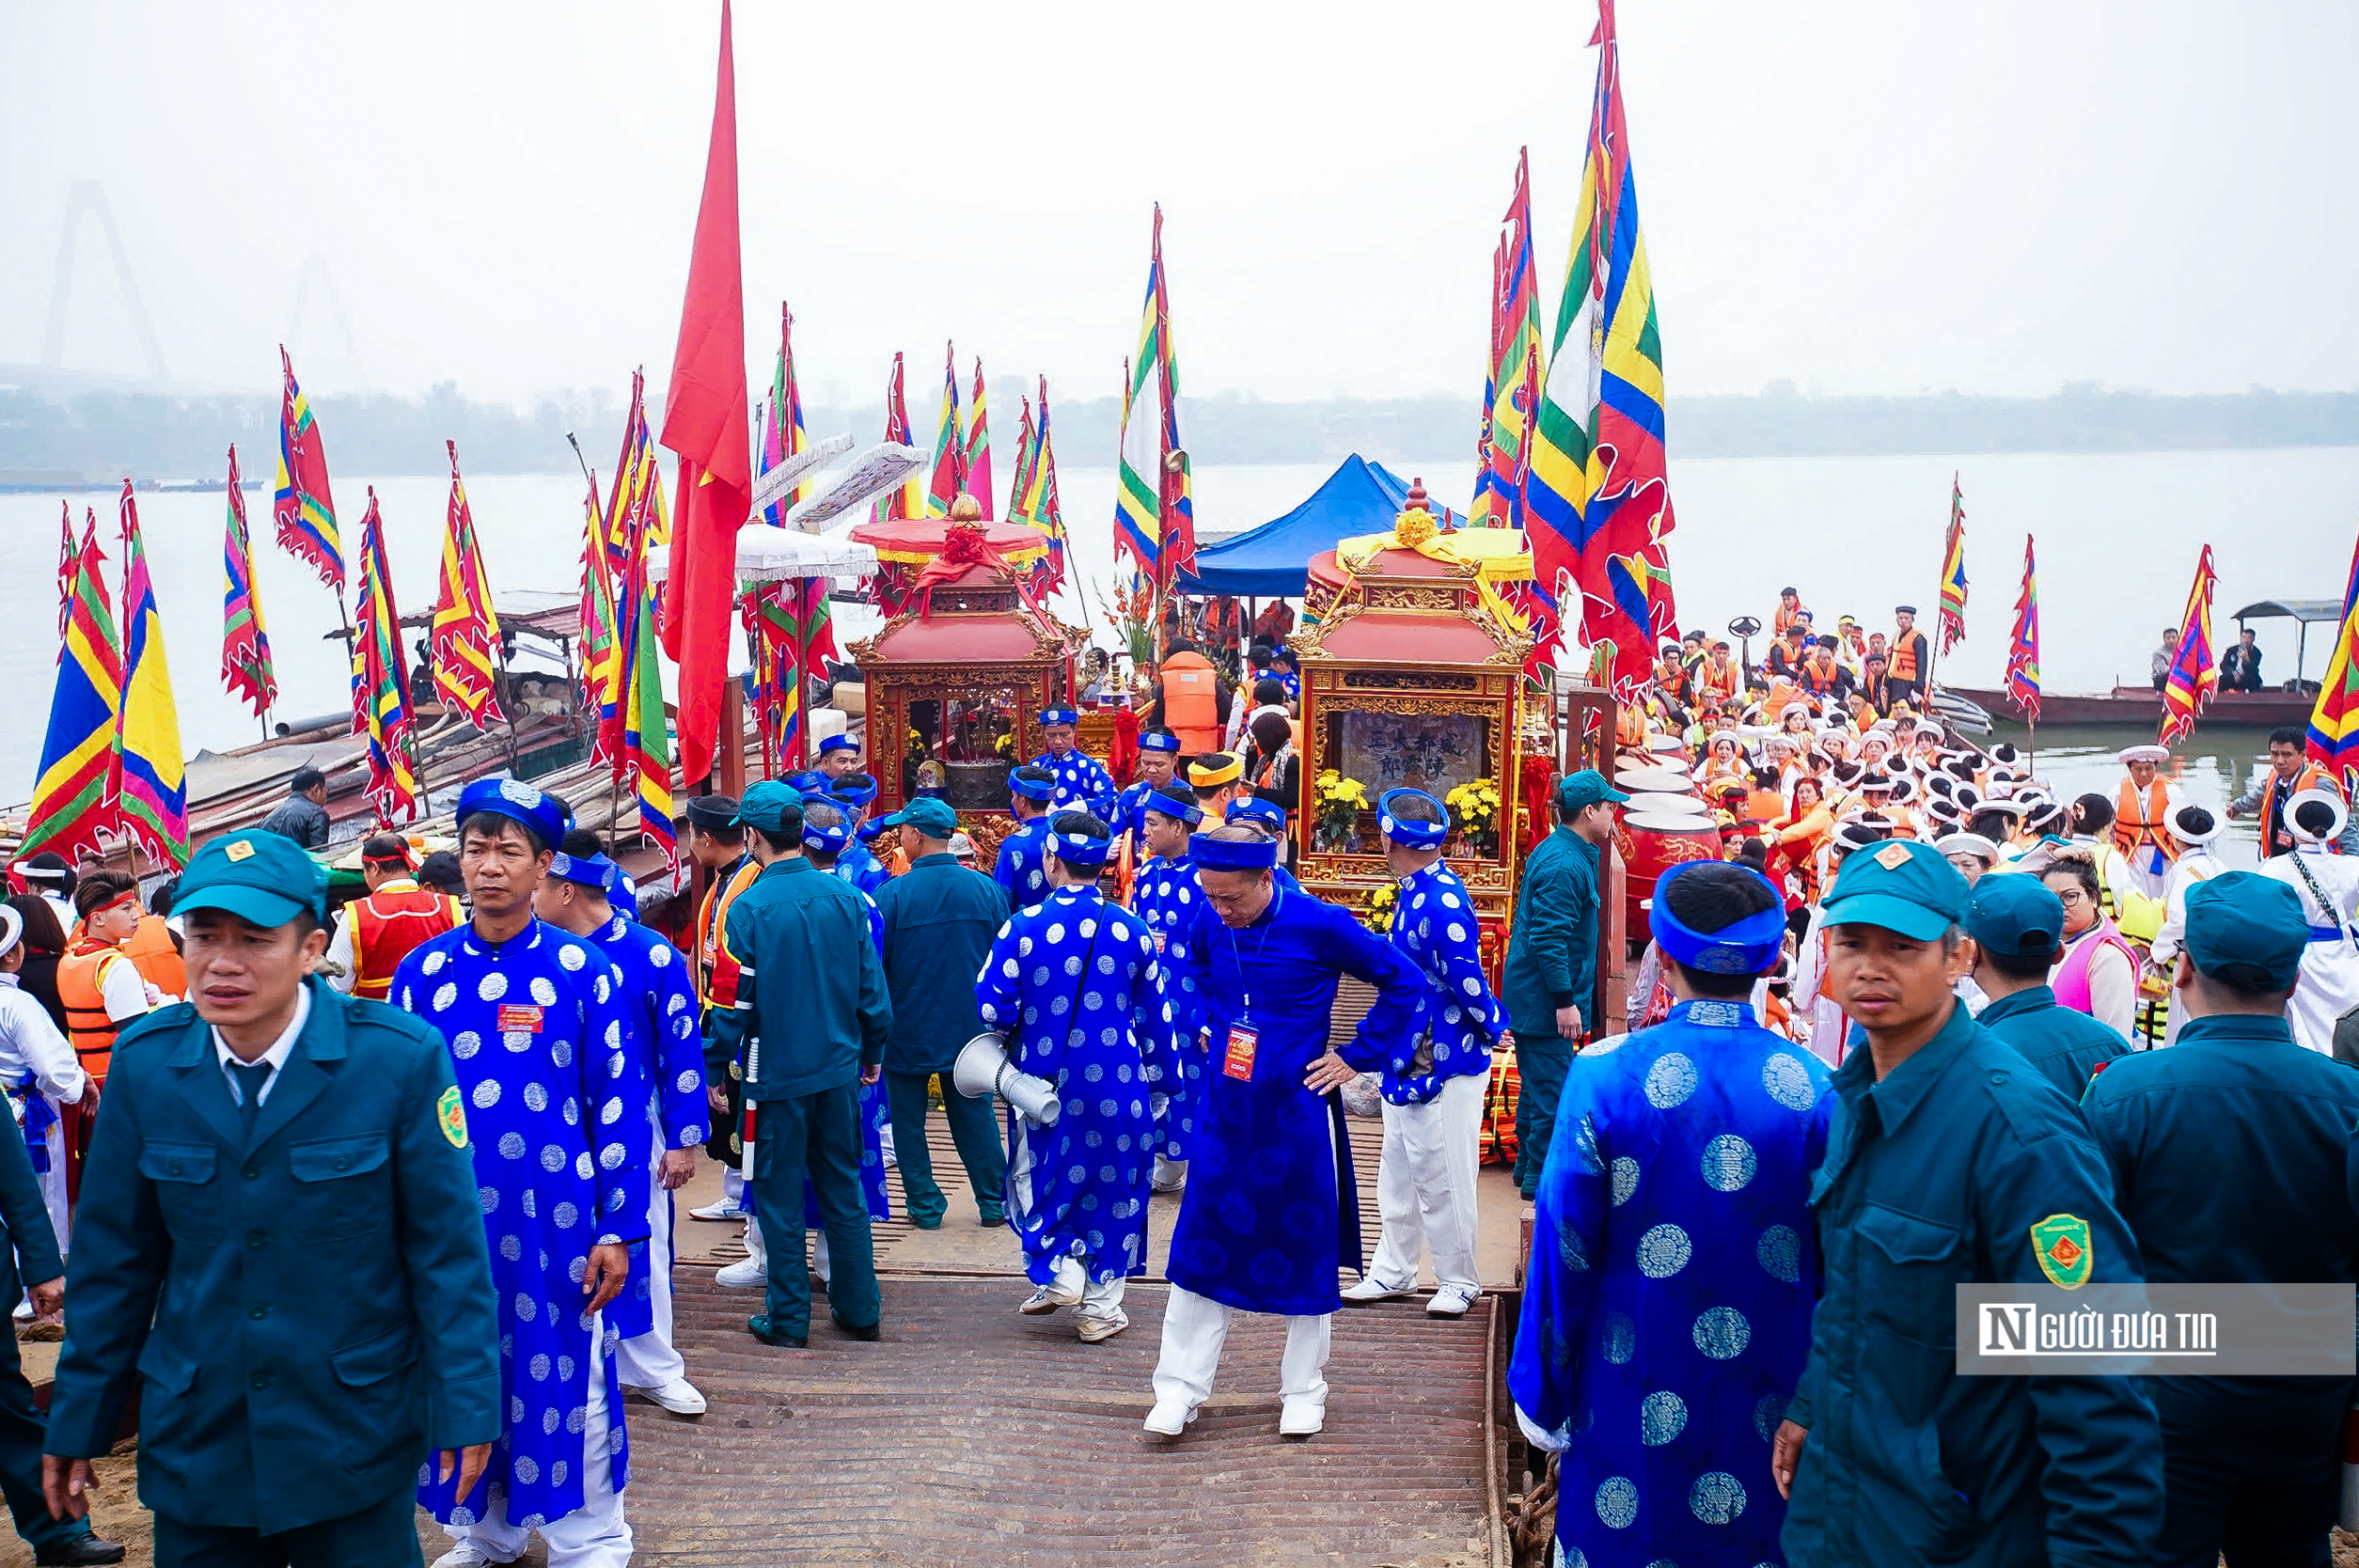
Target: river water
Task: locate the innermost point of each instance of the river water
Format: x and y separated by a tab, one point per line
2118	536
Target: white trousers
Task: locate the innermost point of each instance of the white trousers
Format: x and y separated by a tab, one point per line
1099	1299
648	1360
1196	1326
1425	1186
597	1535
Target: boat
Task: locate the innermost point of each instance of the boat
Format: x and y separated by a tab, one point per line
2285	704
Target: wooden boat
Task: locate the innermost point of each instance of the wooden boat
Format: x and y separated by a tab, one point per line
2142	706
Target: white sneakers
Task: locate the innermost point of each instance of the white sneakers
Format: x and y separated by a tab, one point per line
720	1209
1071	1282
1093	1329
1169	1417
1451	1301
466	1554
679	1396
1038	1304
1168	1175
747	1275
1371	1289
1300	1416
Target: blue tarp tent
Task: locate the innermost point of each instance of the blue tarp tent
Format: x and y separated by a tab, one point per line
1273	560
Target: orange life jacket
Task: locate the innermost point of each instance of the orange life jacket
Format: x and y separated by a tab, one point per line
1192	701
1818	673
2136	823
81	987
150	950
1784	618
717	972
1901	662
387	924
1717	682
2274	793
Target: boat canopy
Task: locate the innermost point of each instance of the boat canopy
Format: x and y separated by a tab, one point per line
1272	561
2302	610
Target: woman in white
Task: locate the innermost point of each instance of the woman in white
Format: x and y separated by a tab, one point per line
2328	885
37	1069
2196	828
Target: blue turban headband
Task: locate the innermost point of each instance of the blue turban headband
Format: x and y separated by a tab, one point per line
1159	743
590	871
1410	834
1080	850
1042	789
1751	947
854	789
1225	855
1258	808
1173	802
829	840
517	801
1058	716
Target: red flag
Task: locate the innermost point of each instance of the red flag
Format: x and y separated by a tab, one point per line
705	423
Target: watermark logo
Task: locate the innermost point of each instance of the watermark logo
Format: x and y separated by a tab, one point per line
2152	1329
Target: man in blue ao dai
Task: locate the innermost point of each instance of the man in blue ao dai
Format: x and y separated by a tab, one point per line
1020	872
1165	897
1666	1315
1082	782
1072	984
557	1102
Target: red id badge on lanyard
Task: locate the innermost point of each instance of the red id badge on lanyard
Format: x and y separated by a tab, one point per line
1238	1062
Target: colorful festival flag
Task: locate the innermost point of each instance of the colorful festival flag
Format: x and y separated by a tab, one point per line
599	660
380	679
642	753
950	445
636	505
302	507
1042	509
68	555
2194	673
2022	645
2334	743
782	431
73	795
246	663
1953	605
1516	338
1155	512
1025	456
151	782
978	447
1491	385
466	637
791	632
908	500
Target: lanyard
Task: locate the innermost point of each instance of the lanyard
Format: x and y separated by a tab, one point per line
1245	991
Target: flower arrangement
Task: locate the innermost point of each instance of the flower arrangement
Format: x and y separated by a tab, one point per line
1340	802
917	743
1376	913
1129	612
1005	745
1474	807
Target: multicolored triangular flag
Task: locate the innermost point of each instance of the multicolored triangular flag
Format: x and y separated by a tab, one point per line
466	638
246	663
151	780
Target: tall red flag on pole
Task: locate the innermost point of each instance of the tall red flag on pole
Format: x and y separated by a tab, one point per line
705	425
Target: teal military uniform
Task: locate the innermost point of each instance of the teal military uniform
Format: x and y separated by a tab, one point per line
309	1301
2017	917
1553	962
939	920
1963	1165
28	1256
2228	1152
812	1001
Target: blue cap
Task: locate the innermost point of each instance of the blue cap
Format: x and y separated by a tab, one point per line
2014	916
264	879
1750	947
1174	800
808	782
854	789
1903	887
928	814
1258	808
1159	741
1058	716
2246	918
1412	834
828	840
1233	855
590	871
837	743
767	804
1586	788
1081	849
537	812
1029	788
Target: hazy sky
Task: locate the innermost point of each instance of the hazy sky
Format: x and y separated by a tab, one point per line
1859	197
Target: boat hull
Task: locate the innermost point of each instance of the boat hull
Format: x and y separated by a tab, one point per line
2142	706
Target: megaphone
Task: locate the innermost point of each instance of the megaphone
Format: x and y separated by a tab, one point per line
982	1068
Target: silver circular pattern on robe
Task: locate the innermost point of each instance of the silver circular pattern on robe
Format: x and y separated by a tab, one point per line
1625	1174
1788	1082
1729	1163
1618	1503
1723	1333
1670	1081
1662	1417
1619	1338
1663	1251
1780	1254
493	986
1717	1497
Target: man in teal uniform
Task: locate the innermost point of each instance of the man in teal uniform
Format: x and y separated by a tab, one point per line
1950	1161
1551	972
807	1029
2018	926
2227	1150
288	1168
939	920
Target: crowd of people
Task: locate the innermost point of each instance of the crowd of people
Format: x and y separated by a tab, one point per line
392	1184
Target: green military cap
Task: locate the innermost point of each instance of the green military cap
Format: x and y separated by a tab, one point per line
262	878
928	814
2014	915
2243	918
1903	887
766	806
1586	788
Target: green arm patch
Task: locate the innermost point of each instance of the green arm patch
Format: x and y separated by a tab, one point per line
2061	1245
452	1116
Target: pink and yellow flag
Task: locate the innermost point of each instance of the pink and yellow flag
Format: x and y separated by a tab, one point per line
466	637
245	664
151	783
979	446
74	792
381	681
2194	673
950	445
302	507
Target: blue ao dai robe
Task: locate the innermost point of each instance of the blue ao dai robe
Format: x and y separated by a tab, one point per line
1075	984
1166	896
1434	927
660	1009
1666	1317
1019	871
1082	784
1263	1227
859	867
556	1119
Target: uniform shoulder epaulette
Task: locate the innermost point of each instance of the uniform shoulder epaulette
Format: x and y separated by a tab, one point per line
171	1015
363	1012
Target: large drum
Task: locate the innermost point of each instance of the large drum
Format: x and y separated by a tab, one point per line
1651	844
1654	781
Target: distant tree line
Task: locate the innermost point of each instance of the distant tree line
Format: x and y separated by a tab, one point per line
105	434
